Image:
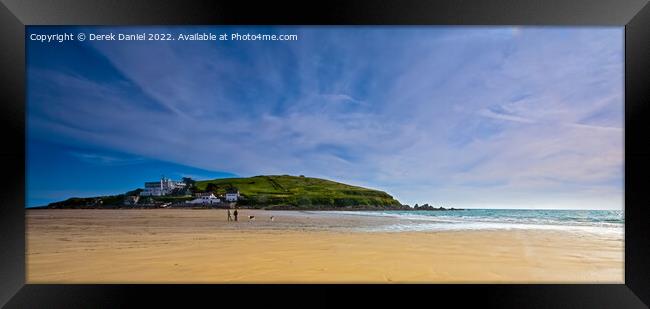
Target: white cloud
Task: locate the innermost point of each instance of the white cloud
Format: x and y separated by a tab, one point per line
467	116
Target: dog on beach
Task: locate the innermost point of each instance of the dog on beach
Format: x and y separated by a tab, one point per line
272	217
251	218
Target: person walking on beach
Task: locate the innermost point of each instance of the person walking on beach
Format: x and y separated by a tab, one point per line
235	213
229	216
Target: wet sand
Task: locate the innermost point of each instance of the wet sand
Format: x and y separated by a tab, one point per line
200	246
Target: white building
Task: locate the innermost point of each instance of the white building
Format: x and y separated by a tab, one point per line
206	199
232	196
163	187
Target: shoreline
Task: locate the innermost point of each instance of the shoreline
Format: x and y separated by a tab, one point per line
271	208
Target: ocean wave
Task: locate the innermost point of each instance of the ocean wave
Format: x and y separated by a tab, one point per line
604	231
593	221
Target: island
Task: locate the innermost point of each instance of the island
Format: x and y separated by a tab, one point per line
269	192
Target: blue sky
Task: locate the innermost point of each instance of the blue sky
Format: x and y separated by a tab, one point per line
485	117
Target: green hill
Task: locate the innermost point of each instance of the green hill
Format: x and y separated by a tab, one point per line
300	192
268	192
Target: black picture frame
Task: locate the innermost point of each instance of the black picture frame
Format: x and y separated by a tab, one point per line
634	15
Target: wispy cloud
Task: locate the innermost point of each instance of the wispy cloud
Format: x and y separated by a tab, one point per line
512	115
105	159
502	116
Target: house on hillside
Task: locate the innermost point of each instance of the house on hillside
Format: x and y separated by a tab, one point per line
163	187
232	195
206	200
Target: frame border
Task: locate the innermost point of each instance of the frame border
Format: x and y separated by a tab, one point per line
633	14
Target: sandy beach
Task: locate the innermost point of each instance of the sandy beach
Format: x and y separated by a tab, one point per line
200	246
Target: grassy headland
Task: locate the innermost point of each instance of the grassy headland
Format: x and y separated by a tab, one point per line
279	192
268	192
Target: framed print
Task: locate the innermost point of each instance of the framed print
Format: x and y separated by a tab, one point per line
222	150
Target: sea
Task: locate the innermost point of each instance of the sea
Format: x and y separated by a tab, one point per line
610	222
